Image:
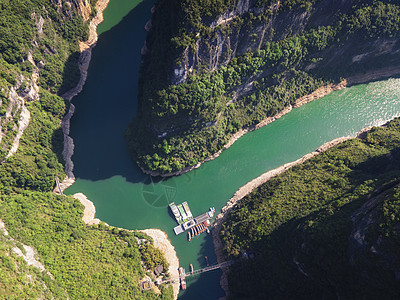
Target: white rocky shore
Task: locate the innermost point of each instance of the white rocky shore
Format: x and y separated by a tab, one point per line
162	242
159	237
247	189
84	61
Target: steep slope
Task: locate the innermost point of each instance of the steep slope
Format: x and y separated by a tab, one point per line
46	250
215	67
328	228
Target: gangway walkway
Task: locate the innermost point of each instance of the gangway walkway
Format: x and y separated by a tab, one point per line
210	268
196	272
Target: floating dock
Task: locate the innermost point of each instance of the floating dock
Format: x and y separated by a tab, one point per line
187	210
182	275
181	212
194	222
198	229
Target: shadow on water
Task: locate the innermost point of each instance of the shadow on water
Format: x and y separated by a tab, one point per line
57	144
127	198
108	102
122	194
205	285
206	245
202	287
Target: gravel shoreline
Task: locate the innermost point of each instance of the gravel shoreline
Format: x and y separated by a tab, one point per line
247	189
162	242
160	238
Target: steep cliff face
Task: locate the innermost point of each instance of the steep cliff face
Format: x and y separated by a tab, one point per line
246	28
372	251
39	47
84	8
212	68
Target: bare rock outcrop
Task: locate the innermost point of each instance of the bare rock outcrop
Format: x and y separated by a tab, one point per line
90	210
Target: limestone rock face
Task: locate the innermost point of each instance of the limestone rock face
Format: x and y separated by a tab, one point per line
84	8
229	38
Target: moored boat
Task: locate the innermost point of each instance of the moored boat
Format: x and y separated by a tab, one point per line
176	213
182	274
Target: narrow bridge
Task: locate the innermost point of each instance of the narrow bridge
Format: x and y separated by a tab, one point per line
182	277
207	269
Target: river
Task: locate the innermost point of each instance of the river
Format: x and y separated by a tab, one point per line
125	197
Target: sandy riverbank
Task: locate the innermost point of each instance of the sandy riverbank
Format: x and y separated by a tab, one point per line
252	185
159	237
90	210
247	189
379	74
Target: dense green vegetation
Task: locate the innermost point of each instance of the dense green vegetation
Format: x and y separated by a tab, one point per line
83	261
86	262
15	274
299	225
56	45
180	125
42	33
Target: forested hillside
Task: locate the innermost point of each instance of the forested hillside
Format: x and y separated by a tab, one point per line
215	67
325	229
39	52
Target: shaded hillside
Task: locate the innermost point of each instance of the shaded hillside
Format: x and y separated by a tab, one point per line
211	70
328	228
46	251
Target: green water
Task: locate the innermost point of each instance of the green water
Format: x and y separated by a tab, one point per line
125	197
115	12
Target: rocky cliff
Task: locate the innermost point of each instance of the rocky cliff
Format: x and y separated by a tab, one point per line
47	248
246	27
213	68
326	228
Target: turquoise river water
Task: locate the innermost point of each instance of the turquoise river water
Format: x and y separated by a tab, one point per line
125	197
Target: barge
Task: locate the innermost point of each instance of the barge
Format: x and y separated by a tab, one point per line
181	212
198	224
182	275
